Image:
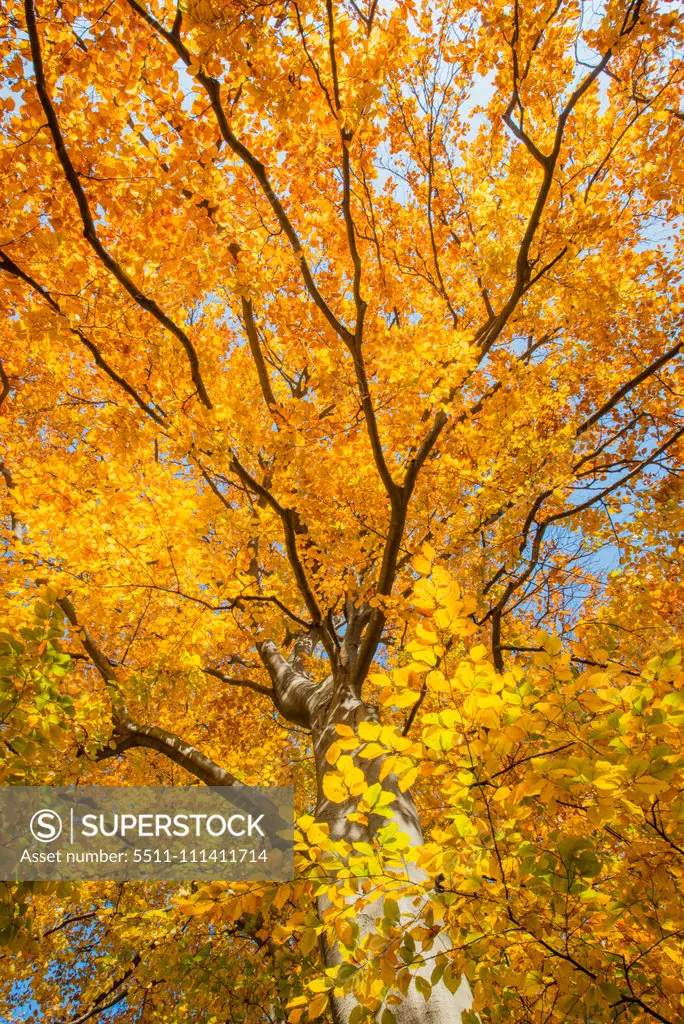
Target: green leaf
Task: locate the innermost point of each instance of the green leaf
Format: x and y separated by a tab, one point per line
424	987
451	978
345	973
610	991
436	975
392	912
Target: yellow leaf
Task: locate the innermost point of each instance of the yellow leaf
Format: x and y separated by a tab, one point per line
421	565
333	752
372	750
334	788
369	730
196	909
307	941
478	653
407	779
552	645
405	699
488	718
282	896
344	931
317	1006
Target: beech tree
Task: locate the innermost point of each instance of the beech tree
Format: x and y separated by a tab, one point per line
341	445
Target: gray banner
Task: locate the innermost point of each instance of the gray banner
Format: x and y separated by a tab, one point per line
152	833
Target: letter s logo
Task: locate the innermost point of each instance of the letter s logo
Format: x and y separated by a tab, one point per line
46	826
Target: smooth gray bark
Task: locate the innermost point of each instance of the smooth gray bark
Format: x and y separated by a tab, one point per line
320	707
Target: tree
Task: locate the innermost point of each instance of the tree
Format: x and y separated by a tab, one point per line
340	416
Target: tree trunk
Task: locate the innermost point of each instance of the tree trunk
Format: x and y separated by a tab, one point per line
443	1006
320	707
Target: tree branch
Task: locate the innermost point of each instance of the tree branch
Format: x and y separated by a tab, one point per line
10	267
212	88
392	489
233	681
172	746
89	230
493	328
128	733
293	688
4	379
291	527
617	397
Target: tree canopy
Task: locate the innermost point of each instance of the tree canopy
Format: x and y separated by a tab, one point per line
341	443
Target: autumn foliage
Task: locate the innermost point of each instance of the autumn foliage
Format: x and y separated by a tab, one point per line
341	436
